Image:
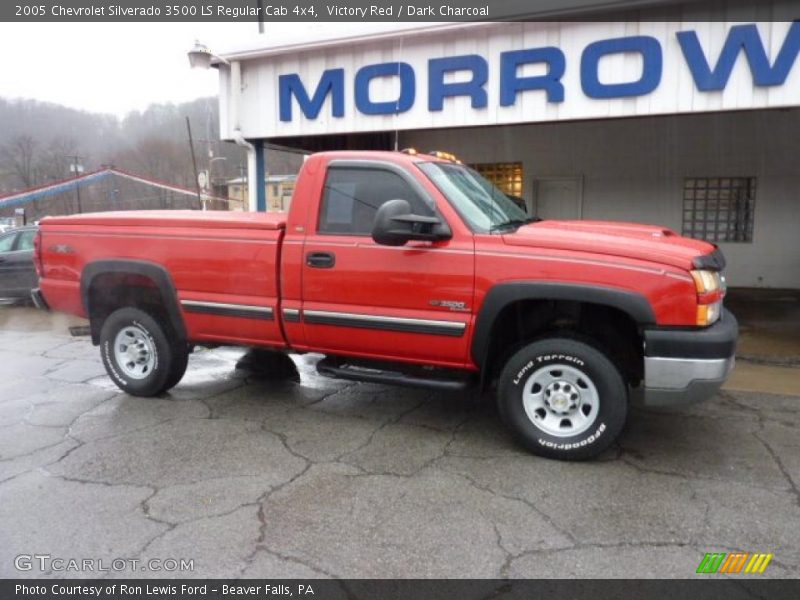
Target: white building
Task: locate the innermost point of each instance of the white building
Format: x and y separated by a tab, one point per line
690	124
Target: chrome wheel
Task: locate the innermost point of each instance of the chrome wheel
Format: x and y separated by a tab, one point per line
134	352
560	400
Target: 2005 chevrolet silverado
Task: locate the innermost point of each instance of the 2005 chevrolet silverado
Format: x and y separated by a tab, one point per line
410	269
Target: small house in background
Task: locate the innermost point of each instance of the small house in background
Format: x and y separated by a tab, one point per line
278	191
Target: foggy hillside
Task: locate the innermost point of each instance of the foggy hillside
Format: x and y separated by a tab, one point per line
38	138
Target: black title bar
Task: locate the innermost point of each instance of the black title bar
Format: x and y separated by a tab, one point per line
394	10
702	588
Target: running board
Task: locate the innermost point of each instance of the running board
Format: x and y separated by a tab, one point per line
362	373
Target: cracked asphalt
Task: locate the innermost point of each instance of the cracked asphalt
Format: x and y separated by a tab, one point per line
320	478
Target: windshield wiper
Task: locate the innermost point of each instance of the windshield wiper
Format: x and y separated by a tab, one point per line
515	223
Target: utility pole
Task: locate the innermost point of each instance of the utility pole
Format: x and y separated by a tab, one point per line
194	164
77	168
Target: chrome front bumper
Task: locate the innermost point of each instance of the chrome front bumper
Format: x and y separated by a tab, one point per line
682	366
672	381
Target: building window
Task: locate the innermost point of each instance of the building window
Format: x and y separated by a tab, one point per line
719	209
506	176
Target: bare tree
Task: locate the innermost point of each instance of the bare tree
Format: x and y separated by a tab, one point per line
159	158
56	159
19	154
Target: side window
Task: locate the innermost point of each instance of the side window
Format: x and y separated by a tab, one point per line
25	241
7	242
353	195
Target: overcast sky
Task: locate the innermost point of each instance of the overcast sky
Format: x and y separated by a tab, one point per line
109	67
120	67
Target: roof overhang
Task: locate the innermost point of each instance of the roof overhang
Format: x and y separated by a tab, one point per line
322	35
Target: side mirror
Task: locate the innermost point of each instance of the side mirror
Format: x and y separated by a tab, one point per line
395	225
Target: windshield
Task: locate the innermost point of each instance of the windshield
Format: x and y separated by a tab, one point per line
482	205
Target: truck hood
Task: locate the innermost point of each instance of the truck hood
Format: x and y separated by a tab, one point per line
630	240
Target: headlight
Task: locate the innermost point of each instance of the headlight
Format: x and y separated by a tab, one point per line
707	281
710	290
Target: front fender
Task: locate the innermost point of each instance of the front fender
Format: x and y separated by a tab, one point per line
502	295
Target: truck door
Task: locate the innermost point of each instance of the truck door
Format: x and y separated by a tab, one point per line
411	302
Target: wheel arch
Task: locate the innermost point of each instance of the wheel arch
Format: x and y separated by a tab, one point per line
125	271
503	296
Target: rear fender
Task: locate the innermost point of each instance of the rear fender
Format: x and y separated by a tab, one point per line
152	271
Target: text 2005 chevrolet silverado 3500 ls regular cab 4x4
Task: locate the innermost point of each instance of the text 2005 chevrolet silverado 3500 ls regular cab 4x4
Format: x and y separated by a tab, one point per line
408	269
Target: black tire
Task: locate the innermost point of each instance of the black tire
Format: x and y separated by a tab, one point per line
165	358
179	368
586	382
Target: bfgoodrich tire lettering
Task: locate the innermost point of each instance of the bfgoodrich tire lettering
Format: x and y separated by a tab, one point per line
137	353
563	399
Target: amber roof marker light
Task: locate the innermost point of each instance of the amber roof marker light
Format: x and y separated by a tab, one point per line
445	156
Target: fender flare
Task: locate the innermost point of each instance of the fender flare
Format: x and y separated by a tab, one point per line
155	272
502	295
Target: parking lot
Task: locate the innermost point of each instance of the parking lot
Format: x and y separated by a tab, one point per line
249	477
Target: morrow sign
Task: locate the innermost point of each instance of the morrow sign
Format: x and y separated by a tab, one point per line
741	40
507	78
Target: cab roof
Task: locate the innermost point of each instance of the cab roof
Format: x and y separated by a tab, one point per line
385	155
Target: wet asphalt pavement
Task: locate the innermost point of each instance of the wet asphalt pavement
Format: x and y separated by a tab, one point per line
320	478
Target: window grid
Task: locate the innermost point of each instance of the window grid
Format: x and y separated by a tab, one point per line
719	209
506	176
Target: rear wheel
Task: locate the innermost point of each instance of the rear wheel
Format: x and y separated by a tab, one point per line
139	356
563	399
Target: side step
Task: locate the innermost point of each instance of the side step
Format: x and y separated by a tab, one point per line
417	379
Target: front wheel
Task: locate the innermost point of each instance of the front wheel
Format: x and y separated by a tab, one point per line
563	399
138	355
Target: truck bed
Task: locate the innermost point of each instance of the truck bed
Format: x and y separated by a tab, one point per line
176	218
223	265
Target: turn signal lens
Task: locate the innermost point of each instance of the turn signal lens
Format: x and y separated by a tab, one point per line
708	314
710	289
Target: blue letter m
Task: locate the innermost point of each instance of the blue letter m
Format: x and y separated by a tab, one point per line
740	37
331	82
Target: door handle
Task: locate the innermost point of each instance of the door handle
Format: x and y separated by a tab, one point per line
321	260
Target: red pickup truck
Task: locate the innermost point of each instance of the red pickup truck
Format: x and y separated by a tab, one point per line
410	269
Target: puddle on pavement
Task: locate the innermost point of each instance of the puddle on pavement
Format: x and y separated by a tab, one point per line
230	363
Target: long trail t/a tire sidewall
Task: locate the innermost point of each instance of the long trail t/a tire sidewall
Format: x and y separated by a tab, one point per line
156	382
610	386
